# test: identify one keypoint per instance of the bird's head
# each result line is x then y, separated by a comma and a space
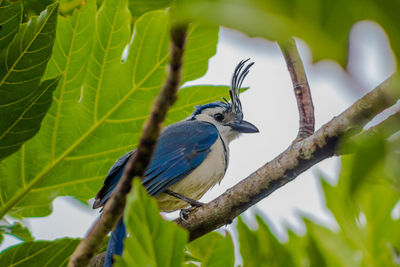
228, 116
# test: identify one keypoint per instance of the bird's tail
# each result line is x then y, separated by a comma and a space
115, 244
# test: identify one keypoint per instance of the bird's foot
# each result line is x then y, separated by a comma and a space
184, 213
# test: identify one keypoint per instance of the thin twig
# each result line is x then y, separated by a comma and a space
301, 89
135, 167
293, 161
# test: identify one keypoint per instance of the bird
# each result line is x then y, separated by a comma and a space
190, 157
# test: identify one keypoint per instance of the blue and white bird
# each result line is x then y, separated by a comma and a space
190, 157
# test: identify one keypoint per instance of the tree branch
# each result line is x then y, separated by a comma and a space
136, 165
301, 89
293, 161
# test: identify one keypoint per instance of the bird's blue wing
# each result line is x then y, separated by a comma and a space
112, 178
180, 149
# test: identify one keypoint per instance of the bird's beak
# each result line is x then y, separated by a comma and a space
244, 127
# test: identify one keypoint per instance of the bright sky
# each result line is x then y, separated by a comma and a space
271, 106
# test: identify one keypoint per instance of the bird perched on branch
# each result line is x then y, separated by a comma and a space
190, 157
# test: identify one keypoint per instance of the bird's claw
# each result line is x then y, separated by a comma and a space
184, 213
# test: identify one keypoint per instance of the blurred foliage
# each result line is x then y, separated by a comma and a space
90, 94
323, 24
139, 7
261, 247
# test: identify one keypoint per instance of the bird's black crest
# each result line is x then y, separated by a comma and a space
234, 106
239, 74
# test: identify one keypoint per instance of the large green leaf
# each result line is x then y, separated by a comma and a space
323, 24
10, 19
39, 253
152, 241
98, 110
213, 249
23, 102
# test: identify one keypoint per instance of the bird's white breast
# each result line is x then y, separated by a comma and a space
199, 181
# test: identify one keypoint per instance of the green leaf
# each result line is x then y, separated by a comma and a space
152, 241
323, 24
261, 247
17, 230
10, 19
139, 7
213, 249
100, 104
22, 65
39, 253
25, 121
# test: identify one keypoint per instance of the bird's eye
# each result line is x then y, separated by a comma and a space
218, 117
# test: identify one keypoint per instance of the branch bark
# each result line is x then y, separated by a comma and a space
293, 161
301, 89
135, 167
